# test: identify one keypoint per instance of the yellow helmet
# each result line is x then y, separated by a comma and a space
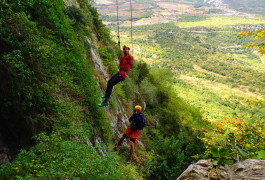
138, 107
125, 46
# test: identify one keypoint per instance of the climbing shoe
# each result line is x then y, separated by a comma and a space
104, 103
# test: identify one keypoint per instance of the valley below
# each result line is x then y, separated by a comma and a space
198, 41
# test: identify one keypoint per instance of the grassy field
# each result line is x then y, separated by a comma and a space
220, 21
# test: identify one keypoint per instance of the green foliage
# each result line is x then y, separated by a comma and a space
168, 165
56, 158
259, 35
173, 153
148, 91
19, 78
79, 16
261, 154
52, 53
188, 18
233, 139
108, 59
141, 73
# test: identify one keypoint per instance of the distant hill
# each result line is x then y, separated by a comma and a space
249, 6
146, 12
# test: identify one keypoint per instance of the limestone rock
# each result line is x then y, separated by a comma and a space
249, 169
4, 155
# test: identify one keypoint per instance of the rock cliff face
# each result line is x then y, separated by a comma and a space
249, 169
4, 152
15, 132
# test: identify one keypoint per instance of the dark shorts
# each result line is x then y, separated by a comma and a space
132, 134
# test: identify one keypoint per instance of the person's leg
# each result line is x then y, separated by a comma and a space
126, 134
134, 135
112, 82
120, 141
132, 148
108, 86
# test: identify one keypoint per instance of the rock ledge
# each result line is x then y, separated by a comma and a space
249, 169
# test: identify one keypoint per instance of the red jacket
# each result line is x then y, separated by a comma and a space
126, 63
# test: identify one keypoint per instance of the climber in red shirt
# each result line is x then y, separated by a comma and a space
126, 63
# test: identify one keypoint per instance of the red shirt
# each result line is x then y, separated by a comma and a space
126, 63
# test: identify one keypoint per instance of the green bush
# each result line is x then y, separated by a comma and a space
108, 60
55, 158
233, 139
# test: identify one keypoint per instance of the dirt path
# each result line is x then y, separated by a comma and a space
262, 58
198, 68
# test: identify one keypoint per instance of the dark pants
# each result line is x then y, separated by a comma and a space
112, 82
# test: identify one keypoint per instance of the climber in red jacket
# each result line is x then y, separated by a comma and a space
126, 63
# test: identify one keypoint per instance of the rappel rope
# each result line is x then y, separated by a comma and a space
131, 26
134, 101
118, 24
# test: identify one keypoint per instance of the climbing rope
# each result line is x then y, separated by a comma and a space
134, 101
118, 24
131, 26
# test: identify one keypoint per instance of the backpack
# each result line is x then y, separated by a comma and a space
137, 121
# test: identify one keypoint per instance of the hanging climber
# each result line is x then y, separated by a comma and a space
137, 123
126, 63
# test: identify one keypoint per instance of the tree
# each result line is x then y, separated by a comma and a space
259, 35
